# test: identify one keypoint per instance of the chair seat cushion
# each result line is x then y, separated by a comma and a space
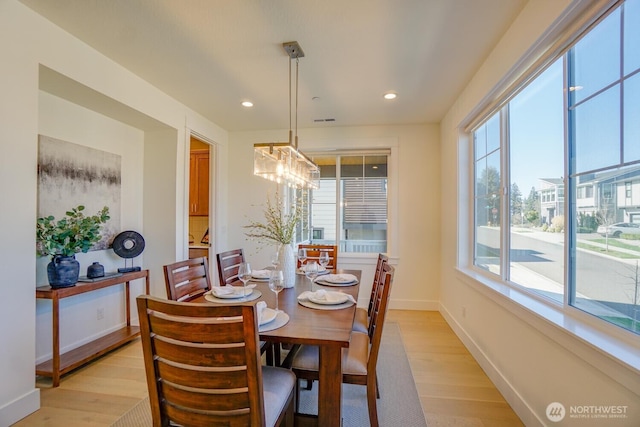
361, 321
277, 385
354, 358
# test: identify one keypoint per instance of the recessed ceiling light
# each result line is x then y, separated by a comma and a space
390, 95
247, 104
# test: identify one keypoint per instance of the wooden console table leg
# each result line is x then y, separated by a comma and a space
55, 313
126, 303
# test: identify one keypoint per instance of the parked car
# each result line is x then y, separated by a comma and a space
615, 230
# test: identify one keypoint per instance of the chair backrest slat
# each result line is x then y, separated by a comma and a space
378, 314
202, 362
377, 279
188, 279
313, 253
228, 264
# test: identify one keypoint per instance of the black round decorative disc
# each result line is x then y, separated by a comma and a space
128, 244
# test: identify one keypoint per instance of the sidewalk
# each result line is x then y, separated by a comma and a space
558, 238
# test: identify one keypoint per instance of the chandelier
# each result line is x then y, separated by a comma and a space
282, 162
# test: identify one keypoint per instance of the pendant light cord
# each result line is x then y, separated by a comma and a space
290, 141
297, 62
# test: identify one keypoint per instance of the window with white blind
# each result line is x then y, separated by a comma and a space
350, 207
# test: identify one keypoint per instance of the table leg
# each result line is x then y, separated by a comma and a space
330, 386
55, 362
126, 303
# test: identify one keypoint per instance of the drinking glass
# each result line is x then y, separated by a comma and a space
276, 283
311, 271
302, 256
324, 259
244, 274
275, 259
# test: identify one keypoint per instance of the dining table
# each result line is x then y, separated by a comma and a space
329, 328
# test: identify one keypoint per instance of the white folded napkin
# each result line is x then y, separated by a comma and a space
340, 278
321, 269
228, 290
260, 274
323, 295
260, 306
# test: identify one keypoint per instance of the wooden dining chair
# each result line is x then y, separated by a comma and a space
188, 279
228, 264
361, 321
203, 366
360, 359
313, 253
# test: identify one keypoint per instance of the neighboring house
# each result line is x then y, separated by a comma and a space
551, 197
612, 195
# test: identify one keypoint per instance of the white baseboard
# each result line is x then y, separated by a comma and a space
511, 395
19, 408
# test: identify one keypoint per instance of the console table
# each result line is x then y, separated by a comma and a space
60, 364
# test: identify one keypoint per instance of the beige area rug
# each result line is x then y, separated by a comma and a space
399, 404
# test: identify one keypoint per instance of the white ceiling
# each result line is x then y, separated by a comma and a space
213, 54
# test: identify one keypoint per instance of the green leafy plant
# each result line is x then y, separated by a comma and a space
278, 227
72, 234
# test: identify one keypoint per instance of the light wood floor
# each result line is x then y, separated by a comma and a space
453, 389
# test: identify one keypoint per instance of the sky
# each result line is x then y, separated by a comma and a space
537, 131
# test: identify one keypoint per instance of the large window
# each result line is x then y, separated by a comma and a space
547, 166
350, 207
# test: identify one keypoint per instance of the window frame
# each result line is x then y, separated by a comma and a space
557, 320
339, 154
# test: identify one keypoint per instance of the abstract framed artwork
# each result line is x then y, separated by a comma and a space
71, 174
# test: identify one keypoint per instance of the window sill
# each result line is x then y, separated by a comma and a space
616, 356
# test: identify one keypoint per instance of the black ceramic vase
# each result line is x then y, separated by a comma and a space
63, 271
95, 270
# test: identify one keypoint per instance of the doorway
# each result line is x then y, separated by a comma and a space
199, 198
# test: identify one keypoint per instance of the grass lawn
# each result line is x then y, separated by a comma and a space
622, 255
617, 243
625, 322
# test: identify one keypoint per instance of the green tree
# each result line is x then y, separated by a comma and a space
516, 204
488, 192
532, 207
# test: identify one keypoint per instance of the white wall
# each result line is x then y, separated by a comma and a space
414, 219
69, 122
531, 360
145, 126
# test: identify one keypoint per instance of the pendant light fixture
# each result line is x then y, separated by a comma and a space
282, 162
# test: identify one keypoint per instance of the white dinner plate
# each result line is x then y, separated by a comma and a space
337, 298
340, 279
267, 316
281, 319
250, 297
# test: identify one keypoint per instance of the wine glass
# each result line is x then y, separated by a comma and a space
302, 256
275, 259
244, 274
324, 259
311, 271
276, 283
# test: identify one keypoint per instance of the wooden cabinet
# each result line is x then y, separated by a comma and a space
199, 183
60, 364
198, 252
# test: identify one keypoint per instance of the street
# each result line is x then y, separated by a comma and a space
598, 276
